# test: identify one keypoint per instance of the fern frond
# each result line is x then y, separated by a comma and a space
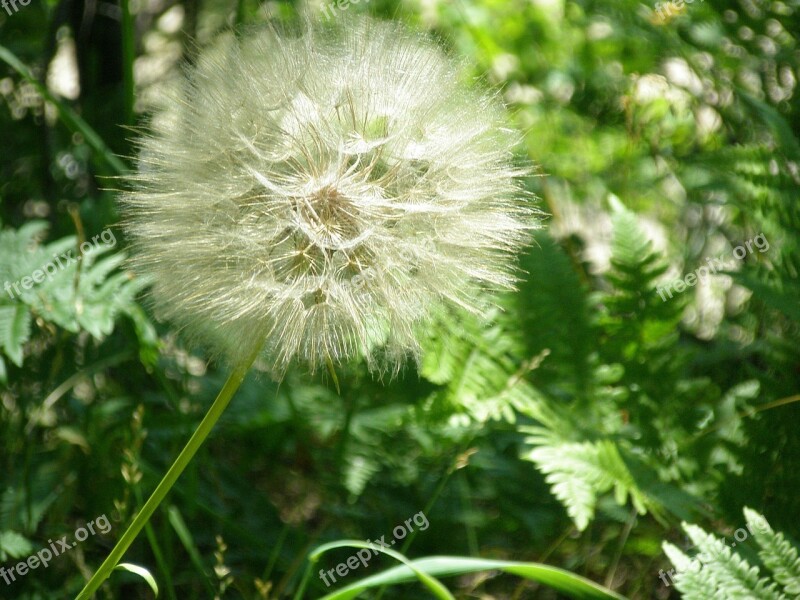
716, 571
15, 330
693, 583
87, 294
778, 554
552, 307
735, 577
579, 473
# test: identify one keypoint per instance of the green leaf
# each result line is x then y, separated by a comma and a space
442, 566
141, 572
23, 506
186, 538
779, 555
717, 571
553, 308
14, 545
436, 587
579, 472
15, 330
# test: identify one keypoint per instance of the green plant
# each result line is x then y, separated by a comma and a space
715, 570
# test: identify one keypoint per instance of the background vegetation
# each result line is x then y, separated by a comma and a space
577, 426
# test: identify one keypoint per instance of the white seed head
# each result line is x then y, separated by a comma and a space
319, 195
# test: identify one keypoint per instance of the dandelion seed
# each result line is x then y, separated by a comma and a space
319, 195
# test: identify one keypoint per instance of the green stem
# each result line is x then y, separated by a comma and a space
186, 455
304, 582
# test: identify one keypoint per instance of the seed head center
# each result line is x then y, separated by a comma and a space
329, 218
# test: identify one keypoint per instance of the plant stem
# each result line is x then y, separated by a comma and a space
186, 455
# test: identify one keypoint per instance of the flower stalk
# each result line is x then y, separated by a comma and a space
184, 458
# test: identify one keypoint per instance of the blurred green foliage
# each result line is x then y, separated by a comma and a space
576, 425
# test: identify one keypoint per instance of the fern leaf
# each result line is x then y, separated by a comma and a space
579, 473
779, 556
718, 572
14, 545
690, 579
15, 330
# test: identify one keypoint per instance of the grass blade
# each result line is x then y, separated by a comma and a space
179, 525
568, 583
141, 572
434, 585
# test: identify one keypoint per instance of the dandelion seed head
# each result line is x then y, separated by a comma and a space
321, 195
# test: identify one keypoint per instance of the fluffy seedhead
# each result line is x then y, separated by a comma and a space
319, 195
